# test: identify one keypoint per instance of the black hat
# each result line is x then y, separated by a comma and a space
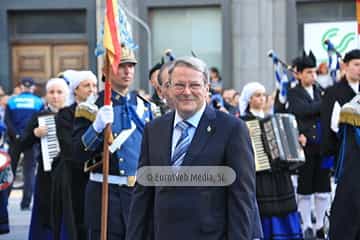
157, 66
295, 61
27, 82
353, 54
306, 61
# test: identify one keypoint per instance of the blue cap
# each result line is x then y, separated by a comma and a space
27, 82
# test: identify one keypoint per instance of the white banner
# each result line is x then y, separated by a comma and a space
343, 35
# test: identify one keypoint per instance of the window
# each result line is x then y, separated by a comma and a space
47, 22
187, 29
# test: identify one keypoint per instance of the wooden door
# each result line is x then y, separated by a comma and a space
31, 61
42, 62
70, 57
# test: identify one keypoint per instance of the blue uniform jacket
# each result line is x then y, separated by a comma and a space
88, 143
19, 111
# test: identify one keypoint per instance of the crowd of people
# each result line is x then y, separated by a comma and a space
189, 120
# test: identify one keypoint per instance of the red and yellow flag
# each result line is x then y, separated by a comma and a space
111, 39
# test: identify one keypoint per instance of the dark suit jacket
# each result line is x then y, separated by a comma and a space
196, 213
307, 113
343, 93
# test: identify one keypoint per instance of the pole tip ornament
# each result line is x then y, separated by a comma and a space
270, 53
169, 54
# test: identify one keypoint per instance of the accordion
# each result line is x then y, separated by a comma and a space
275, 142
50, 147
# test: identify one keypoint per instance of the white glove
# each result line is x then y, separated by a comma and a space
104, 116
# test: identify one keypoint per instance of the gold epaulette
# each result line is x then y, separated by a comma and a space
350, 118
87, 111
350, 112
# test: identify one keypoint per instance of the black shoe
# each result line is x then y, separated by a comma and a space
309, 234
320, 234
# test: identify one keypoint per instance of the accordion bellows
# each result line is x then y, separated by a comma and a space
275, 142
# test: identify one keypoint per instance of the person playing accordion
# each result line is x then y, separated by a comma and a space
57, 92
274, 190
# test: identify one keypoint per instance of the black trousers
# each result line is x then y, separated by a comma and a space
118, 211
79, 180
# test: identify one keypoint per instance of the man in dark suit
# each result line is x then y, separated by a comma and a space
210, 138
304, 102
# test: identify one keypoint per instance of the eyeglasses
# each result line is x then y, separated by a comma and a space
193, 86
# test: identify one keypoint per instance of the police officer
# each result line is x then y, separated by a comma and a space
19, 110
304, 102
128, 114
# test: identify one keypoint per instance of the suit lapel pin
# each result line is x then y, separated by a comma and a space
208, 129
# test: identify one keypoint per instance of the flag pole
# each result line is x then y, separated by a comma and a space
111, 42
105, 170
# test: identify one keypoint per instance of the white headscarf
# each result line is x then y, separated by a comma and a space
75, 78
60, 82
246, 93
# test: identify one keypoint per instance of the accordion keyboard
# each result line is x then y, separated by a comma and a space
49, 143
262, 161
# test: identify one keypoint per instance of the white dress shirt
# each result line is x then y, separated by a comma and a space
310, 91
354, 86
193, 120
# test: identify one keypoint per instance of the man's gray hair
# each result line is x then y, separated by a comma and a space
192, 62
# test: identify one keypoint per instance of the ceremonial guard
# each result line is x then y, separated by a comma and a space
335, 97
128, 115
304, 102
57, 92
342, 142
274, 190
345, 211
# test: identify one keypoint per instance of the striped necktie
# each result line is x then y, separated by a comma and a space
182, 144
